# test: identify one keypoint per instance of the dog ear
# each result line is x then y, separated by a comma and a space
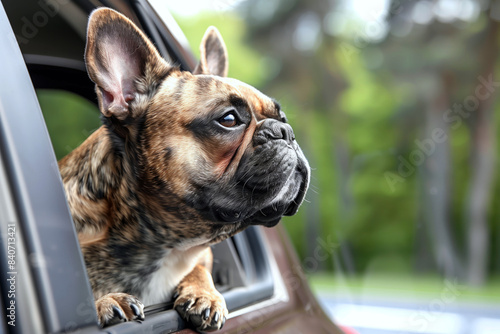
119, 57
213, 54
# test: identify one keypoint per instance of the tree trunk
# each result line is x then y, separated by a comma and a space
342, 158
479, 197
483, 161
313, 219
436, 170
424, 261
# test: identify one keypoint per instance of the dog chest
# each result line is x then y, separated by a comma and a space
171, 270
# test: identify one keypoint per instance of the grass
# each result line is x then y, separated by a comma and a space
405, 286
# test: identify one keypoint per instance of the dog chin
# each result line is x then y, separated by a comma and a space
286, 203
287, 206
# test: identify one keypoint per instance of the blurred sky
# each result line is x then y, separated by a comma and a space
346, 16
363, 8
444, 10
193, 7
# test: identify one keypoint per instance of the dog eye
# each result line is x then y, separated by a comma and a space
228, 120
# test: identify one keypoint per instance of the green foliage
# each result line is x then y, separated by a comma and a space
70, 119
244, 62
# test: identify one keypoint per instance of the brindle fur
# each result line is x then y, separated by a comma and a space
134, 185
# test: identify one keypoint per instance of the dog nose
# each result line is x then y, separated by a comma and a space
274, 130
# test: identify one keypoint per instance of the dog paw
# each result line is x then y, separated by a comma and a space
205, 310
114, 308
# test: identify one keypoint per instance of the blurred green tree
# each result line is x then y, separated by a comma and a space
401, 176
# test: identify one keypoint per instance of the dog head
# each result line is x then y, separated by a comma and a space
203, 147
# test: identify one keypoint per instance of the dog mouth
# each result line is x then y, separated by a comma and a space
293, 207
270, 182
267, 204
272, 214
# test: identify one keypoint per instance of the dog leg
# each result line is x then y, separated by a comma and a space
198, 302
117, 307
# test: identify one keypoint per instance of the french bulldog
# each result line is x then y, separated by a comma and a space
182, 161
